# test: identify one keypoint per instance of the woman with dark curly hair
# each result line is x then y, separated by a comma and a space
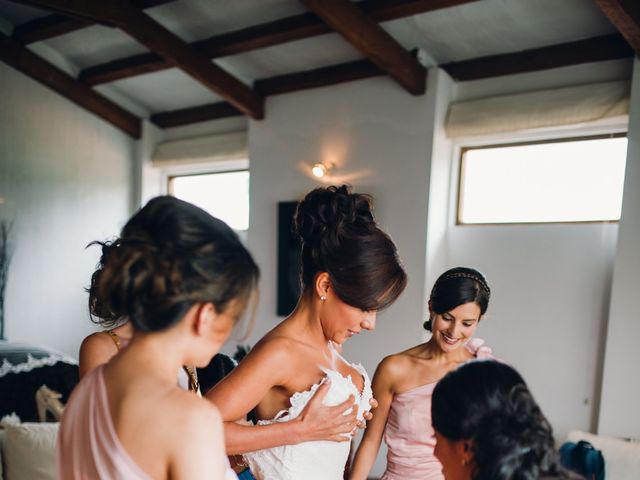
182, 278
489, 427
350, 270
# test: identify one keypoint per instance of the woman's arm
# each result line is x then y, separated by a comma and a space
199, 449
370, 444
270, 364
95, 350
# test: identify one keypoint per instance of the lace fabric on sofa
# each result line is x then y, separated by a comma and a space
24, 369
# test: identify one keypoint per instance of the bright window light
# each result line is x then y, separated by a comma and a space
225, 195
566, 181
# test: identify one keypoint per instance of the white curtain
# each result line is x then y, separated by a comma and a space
544, 108
221, 147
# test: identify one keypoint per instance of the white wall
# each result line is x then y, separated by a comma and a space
66, 177
621, 381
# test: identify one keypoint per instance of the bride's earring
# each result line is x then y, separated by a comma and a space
323, 297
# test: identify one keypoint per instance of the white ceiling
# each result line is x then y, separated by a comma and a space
485, 27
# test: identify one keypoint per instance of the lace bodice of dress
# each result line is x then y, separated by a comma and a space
321, 460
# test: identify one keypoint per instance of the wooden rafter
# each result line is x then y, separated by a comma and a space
47, 27
158, 39
22, 59
202, 113
55, 25
285, 30
625, 15
319, 77
372, 41
293, 82
597, 49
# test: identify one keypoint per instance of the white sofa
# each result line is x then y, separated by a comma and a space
28, 451
621, 458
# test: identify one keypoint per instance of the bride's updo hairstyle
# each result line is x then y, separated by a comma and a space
488, 404
170, 255
339, 236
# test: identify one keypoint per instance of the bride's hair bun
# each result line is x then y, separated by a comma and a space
332, 210
340, 236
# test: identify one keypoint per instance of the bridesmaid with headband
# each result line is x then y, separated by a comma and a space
403, 383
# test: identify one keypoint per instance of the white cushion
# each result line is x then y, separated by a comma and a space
29, 451
621, 458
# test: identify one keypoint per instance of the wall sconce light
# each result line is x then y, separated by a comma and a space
321, 169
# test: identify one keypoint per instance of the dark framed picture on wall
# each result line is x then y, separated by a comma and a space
288, 260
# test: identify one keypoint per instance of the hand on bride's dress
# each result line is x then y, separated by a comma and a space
367, 415
321, 422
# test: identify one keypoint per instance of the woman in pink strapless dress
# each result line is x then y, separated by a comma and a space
403, 383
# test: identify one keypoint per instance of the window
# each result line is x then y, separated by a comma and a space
224, 195
578, 180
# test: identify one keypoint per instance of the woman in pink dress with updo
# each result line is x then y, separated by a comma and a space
182, 278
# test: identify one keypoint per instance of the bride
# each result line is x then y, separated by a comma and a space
350, 270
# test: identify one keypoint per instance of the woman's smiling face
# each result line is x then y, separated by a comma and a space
453, 328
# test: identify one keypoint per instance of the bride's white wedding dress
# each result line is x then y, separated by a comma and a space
321, 460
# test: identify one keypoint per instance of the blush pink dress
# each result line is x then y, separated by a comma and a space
409, 434
88, 446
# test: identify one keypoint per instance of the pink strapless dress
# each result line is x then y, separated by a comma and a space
88, 446
409, 434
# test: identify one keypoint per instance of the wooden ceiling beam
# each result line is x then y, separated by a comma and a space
319, 77
202, 113
292, 82
281, 31
597, 49
22, 59
372, 41
625, 16
55, 25
383, 10
161, 41
238, 41
47, 27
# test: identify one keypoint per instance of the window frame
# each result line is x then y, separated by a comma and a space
537, 138
169, 172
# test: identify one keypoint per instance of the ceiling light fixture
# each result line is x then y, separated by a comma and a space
321, 169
